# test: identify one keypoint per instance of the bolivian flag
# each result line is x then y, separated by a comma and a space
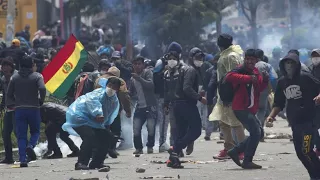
61, 72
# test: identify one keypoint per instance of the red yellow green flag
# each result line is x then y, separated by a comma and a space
61, 72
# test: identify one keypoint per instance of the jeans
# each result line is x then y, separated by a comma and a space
188, 123
9, 125
93, 138
24, 118
303, 144
51, 132
253, 125
163, 122
263, 107
141, 116
173, 126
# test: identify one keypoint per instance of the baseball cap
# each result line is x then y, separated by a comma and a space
116, 54
16, 42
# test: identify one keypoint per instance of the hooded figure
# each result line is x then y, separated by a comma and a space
300, 91
230, 58
185, 109
315, 66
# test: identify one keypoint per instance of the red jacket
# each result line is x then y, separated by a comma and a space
242, 84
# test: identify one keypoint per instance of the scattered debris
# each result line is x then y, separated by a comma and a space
85, 179
104, 169
157, 177
220, 142
285, 153
140, 170
178, 176
278, 136
192, 162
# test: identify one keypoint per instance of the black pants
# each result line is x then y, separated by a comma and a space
52, 129
303, 139
188, 124
8, 127
93, 138
253, 125
115, 128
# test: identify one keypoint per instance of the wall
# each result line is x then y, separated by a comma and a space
26, 13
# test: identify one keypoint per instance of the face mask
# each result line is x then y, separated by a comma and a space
315, 61
110, 92
198, 63
103, 72
289, 67
172, 63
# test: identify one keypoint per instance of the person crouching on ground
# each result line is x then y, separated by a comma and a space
54, 116
300, 91
88, 117
125, 104
247, 85
24, 89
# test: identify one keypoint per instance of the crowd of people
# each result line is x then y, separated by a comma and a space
227, 92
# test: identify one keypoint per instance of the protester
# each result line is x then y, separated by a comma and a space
23, 93
300, 91
142, 89
54, 116
188, 120
13, 51
90, 117
246, 81
9, 123
26, 33
230, 58
125, 104
165, 86
315, 71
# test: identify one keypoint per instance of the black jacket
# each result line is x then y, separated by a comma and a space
211, 78
170, 81
54, 113
187, 87
15, 52
298, 92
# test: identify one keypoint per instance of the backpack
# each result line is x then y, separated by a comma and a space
226, 91
79, 85
95, 35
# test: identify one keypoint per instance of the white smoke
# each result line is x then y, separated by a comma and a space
270, 41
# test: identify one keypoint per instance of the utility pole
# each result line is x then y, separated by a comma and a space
129, 45
62, 18
11, 16
53, 11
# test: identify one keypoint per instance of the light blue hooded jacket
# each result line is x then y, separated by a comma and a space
87, 107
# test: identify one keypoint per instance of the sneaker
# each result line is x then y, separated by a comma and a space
250, 165
189, 149
174, 161
207, 138
234, 156
222, 155
164, 148
6, 161
138, 151
241, 156
47, 154
55, 156
79, 166
98, 167
31, 154
23, 164
150, 150
73, 154
113, 153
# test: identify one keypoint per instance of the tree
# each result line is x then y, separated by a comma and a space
251, 6
164, 21
217, 6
